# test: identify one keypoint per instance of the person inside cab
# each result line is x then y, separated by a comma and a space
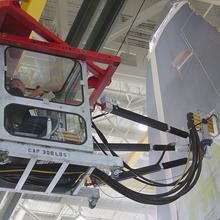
18, 117
17, 88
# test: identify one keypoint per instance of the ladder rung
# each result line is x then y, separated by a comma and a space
25, 174
57, 177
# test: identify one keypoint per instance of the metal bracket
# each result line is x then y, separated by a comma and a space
3, 67
82, 83
3, 157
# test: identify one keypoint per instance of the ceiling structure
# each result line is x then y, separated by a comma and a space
128, 38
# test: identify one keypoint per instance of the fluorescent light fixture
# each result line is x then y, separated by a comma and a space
80, 218
143, 127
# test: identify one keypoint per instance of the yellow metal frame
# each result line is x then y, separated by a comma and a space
34, 8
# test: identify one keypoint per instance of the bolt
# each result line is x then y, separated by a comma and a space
92, 203
3, 156
115, 173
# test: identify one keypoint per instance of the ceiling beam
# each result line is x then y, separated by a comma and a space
122, 92
104, 24
125, 205
29, 213
133, 71
9, 205
213, 2
3, 196
131, 78
142, 17
114, 46
62, 212
83, 20
128, 73
128, 206
134, 133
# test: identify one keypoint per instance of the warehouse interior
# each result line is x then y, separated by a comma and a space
120, 28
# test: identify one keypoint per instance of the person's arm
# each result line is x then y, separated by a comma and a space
37, 92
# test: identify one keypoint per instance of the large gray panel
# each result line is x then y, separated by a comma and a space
205, 41
194, 87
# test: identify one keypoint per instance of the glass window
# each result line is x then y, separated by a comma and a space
71, 92
58, 77
25, 121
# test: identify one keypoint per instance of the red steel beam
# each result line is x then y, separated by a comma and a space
16, 26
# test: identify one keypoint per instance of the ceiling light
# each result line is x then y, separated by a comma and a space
80, 218
143, 127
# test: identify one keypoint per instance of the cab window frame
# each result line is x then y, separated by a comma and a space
76, 62
44, 139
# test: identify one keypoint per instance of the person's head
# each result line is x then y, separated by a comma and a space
17, 83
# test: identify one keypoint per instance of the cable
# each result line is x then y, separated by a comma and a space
143, 198
118, 197
102, 137
77, 180
99, 146
162, 155
183, 170
202, 121
130, 27
98, 116
105, 142
113, 197
43, 174
190, 177
165, 179
138, 177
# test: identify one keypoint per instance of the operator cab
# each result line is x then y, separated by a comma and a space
56, 125
61, 79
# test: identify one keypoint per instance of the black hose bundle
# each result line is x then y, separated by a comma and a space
42, 174
182, 187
